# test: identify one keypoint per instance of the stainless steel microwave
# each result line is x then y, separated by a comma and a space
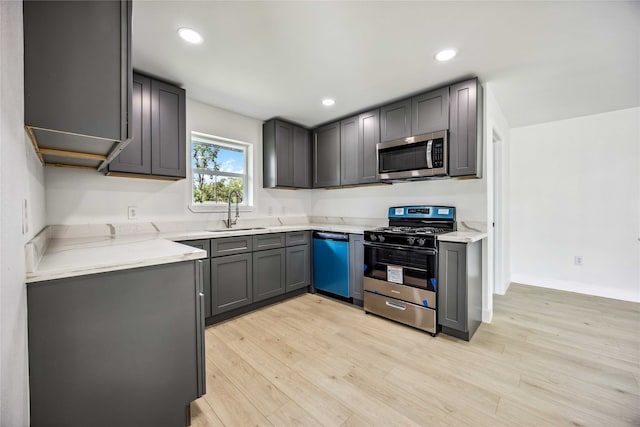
416, 157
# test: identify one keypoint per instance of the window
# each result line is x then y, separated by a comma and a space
219, 166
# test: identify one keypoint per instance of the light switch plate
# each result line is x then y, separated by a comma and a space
132, 212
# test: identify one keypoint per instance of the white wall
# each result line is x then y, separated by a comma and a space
85, 197
21, 178
468, 196
575, 190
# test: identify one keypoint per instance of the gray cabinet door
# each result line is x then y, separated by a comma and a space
231, 282
368, 137
231, 245
284, 153
452, 285
136, 157
356, 266
294, 238
349, 172
298, 264
77, 67
395, 120
268, 274
268, 241
463, 129
301, 158
168, 130
430, 112
326, 159
206, 267
113, 336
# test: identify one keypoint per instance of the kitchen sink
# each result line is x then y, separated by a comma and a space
225, 230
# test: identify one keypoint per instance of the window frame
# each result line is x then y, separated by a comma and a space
247, 176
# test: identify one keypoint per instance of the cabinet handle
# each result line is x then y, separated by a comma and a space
396, 306
201, 294
394, 291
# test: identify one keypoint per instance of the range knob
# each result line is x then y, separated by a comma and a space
421, 242
373, 237
381, 238
411, 240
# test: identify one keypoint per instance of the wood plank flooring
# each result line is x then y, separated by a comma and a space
548, 358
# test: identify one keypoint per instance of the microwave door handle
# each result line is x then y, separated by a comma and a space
429, 156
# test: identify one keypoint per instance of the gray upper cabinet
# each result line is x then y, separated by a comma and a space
136, 157
168, 130
77, 78
395, 120
465, 131
158, 147
368, 137
286, 155
326, 159
349, 174
430, 112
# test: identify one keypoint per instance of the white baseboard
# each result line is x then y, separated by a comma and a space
487, 316
579, 287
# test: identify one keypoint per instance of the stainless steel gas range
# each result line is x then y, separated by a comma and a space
401, 265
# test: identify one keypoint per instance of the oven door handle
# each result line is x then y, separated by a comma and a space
401, 248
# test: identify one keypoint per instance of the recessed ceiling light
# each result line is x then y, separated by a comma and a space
328, 102
190, 35
445, 55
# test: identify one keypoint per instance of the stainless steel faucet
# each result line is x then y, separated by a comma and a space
228, 222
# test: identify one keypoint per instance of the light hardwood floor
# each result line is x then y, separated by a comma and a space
548, 358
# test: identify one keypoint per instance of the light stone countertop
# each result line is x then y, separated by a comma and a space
462, 236
56, 258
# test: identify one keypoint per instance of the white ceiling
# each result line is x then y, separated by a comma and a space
546, 61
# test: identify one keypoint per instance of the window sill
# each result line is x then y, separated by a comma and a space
218, 209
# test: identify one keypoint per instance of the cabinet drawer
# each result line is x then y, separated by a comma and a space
295, 238
200, 244
231, 245
404, 312
268, 241
406, 293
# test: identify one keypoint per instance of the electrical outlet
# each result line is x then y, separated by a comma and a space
132, 212
577, 260
270, 210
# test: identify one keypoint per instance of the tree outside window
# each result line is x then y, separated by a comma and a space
218, 166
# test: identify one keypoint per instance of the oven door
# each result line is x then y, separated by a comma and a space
403, 265
415, 157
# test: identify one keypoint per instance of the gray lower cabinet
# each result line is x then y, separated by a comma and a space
231, 282
298, 267
268, 274
460, 288
465, 129
356, 267
286, 155
326, 156
206, 267
117, 348
395, 120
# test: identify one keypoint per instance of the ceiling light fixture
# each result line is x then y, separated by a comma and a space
328, 102
190, 35
445, 55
